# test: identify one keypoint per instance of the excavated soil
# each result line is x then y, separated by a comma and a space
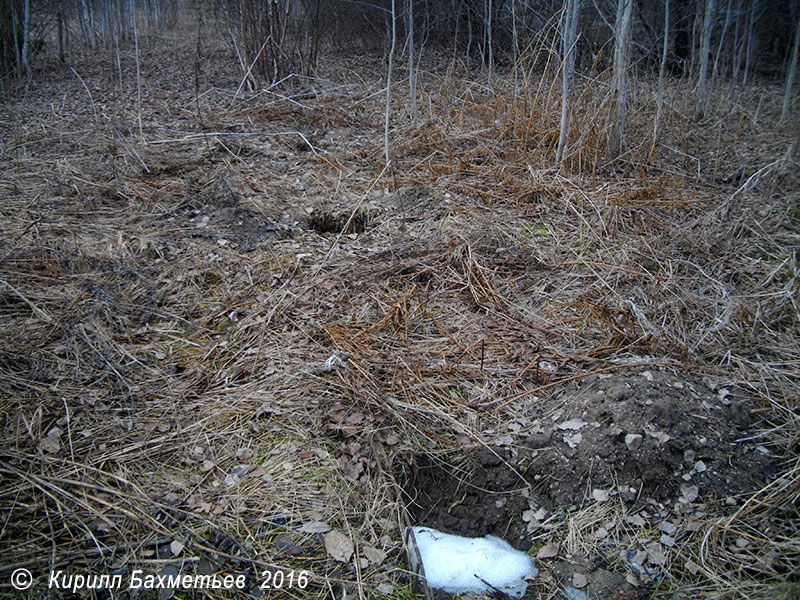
657, 444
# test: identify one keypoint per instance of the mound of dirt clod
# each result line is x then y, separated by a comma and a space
654, 442
652, 432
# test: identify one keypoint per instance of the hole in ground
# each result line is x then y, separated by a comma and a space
325, 221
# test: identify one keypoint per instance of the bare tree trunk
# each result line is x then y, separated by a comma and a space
469, 37
131, 18
787, 95
705, 45
569, 27
138, 76
751, 34
489, 40
721, 44
412, 72
483, 39
738, 45
16, 63
389, 84
60, 20
661, 72
622, 34
457, 16
515, 43
26, 42
87, 23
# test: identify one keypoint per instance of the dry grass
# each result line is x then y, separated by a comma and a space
148, 353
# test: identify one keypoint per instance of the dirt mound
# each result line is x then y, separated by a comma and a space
651, 433
653, 444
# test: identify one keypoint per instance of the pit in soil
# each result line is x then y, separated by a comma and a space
644, 448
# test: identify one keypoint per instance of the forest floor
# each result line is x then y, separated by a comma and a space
234, 342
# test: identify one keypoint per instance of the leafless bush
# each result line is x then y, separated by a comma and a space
275, 38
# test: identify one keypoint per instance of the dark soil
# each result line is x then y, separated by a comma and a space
693, 448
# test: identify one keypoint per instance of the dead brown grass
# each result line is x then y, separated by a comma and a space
148, 354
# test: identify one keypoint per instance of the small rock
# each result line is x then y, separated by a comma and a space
667, 527
730, 501
661, 436
527, 515
600, 495
628, 494
689, 456
572, 424
633, 441
636, 520
655, 554
667, 541
700, 466
689, 493
693, 526
579, 580
244, 454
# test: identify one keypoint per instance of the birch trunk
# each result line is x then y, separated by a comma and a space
389, 84
457, 16
790, 75
87, 23
751, 34
569, 27
661, 73
412, 73
469, 37
721, 43
515, 43
705, 45
489, 40
622, 34
26, 35
738, 45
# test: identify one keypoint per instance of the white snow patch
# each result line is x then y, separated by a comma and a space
459, 565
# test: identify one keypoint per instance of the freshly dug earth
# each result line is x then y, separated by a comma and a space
656, 444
